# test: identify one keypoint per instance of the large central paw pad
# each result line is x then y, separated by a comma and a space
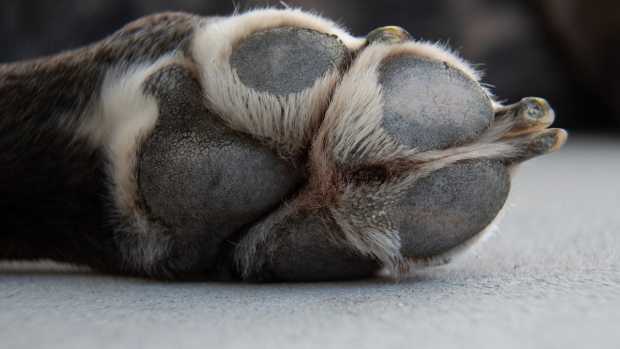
312, 155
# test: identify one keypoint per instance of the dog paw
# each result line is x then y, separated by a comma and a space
289, 150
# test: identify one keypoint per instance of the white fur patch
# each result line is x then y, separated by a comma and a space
122, 118
287, 121
238, 26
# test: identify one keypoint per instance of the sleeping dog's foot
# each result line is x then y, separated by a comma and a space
273, 145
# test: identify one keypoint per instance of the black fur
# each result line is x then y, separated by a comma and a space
54, 199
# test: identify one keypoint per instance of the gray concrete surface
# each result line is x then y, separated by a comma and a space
549, 279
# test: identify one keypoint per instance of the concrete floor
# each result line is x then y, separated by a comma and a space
549, 279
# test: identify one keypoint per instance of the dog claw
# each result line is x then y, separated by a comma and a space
390, 34
529, 114
539, 143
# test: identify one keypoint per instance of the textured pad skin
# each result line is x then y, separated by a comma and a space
286, 60
201, 178
450, 206
431, 105
303, 251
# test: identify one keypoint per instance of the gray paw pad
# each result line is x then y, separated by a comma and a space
431, 105
304, 252
202, 179
450, 206
211, 183
286, 60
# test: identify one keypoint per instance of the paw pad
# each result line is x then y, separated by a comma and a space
430, 105
286, 60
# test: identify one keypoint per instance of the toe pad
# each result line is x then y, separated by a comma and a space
452, 205
286, 60
431, 105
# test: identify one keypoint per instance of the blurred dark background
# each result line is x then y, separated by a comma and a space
564, 50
